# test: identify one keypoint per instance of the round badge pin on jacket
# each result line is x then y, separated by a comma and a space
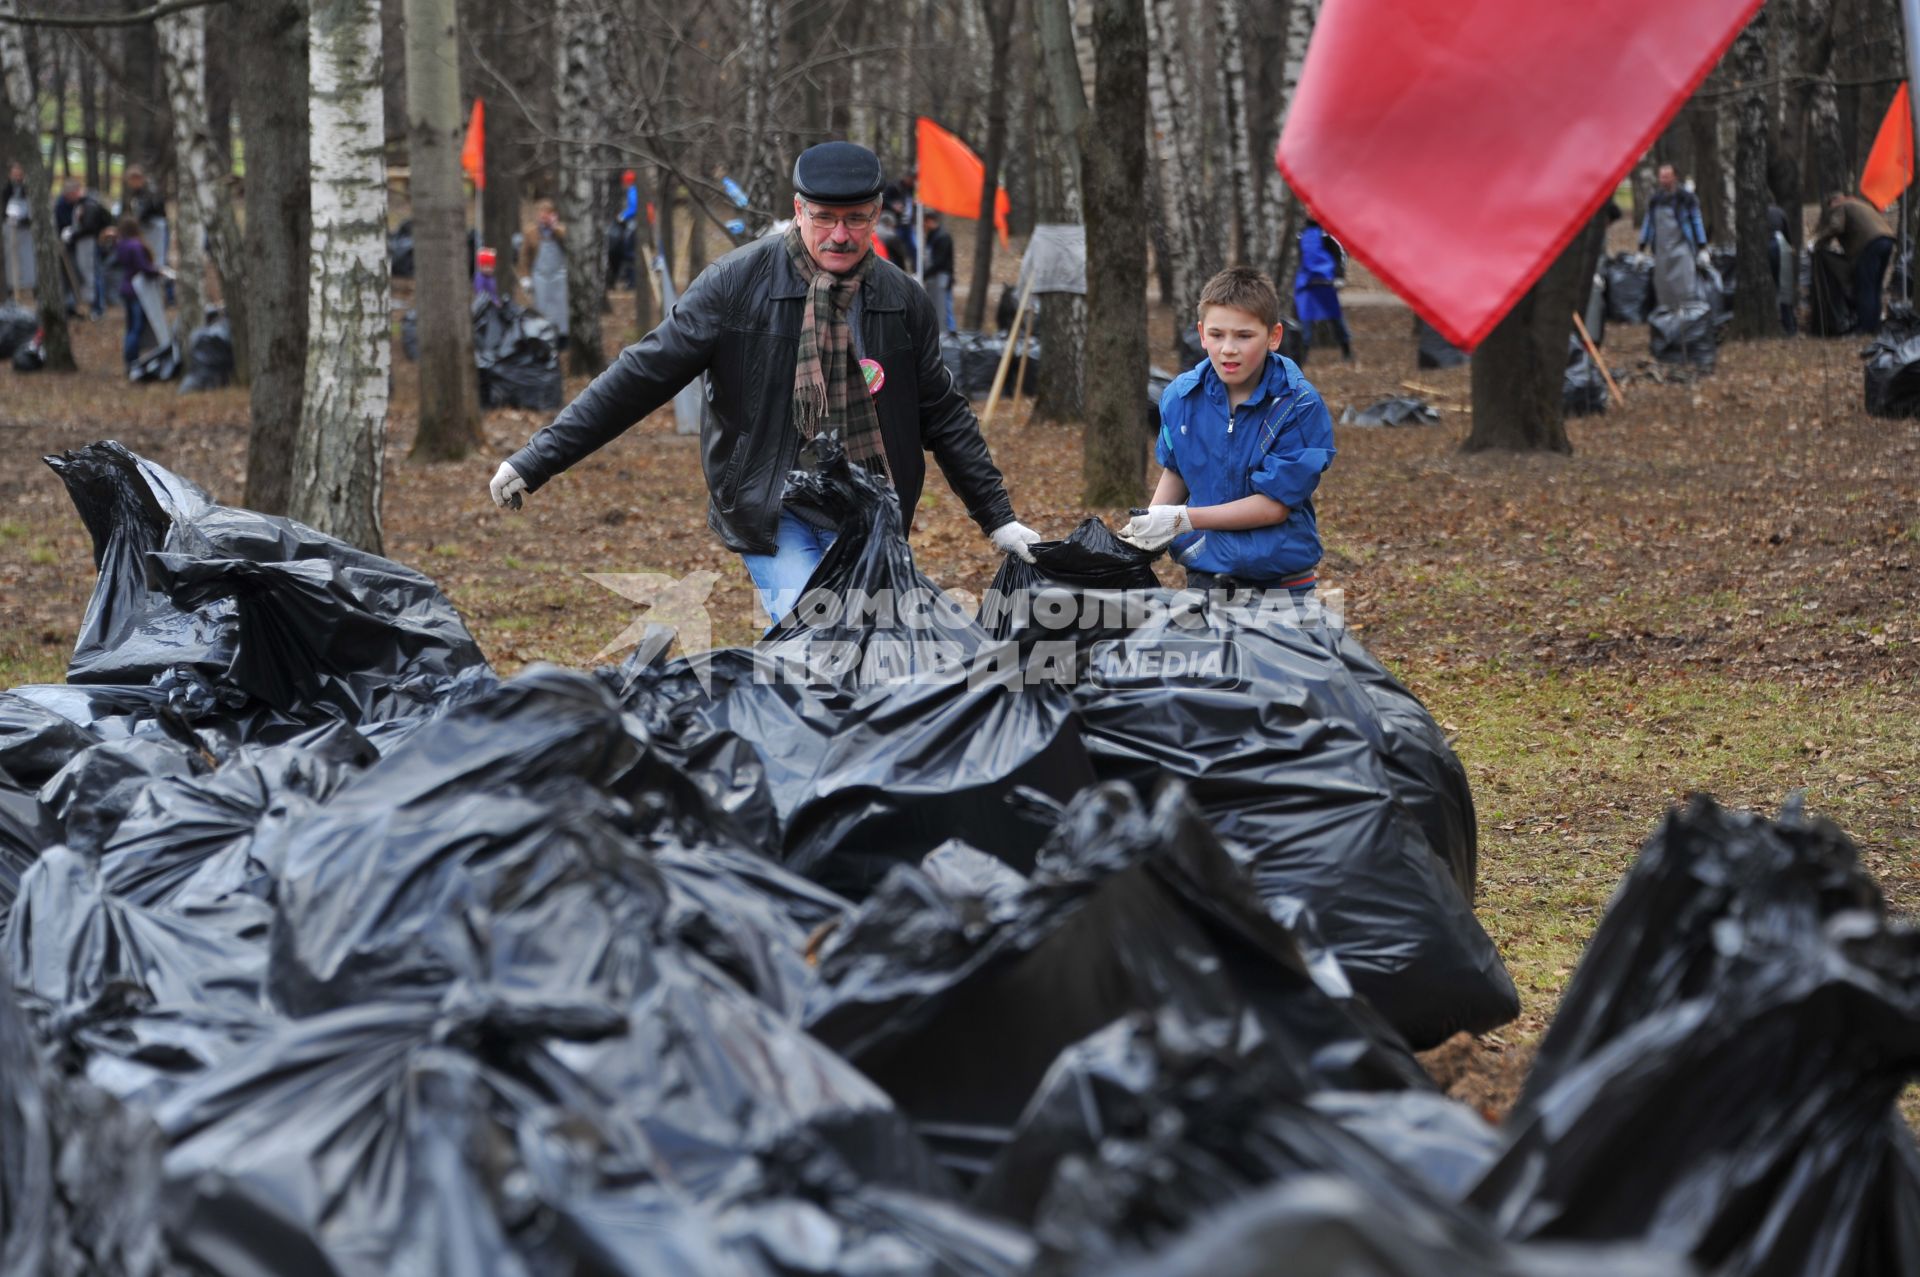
876, 375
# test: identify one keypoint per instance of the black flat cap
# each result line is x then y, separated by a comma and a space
837, 173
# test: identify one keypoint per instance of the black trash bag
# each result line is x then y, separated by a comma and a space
1829, 295
1289, 758
25, 832
162, 363
1330, 1226
1400, 410
1684, 336
93, 792
1432, 350
1892, 376
79, 1173
974, 360
18, 326
1125, 912
1445, 1144
1735, 1041
1583, 390
209, 356
400, 251
1630, 293
518, 353
1070, 591
35, 742
32, 356
1716, 290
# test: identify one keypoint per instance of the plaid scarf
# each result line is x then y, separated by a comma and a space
829, 390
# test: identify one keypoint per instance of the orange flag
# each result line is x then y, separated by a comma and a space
1890, 165
950, 177
473, 156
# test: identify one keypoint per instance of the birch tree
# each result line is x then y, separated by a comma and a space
1283, 209
203, 212
998, 18
449, 426
760, 175
1060, 394
1115, 454
271, 89
49, 264
339, 456
1249, 204
1193, 243
580, 92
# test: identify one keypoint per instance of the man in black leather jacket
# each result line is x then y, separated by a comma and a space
740, 323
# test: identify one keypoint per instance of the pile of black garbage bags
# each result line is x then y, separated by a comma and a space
329, 952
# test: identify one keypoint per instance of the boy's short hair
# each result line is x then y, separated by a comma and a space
1243, 288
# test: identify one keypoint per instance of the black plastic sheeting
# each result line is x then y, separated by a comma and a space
1892, 375
1738, 1032
974, 358
327, 952
1687, 335
518, 354
1583, 390
31, 356
1630, 295
209, 356
1829, 295
1074, 590
17, 327
1399, 410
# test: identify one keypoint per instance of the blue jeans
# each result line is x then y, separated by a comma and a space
781, 577
136, 328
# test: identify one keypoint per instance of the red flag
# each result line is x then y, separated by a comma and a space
1890, 165
1456, 148
951, 176
473, 156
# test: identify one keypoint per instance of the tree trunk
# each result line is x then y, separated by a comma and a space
1192, 237
90, 122
760, 173
1283, 209
1519, 368
1115, 451
505, 79
220, 93
999, 19
148, 132
1726, 132
1249, 207
57, 50
449, 426
203, 206
1756, 309
339, 457
1060, 386
49, 262
580, 95
271, 87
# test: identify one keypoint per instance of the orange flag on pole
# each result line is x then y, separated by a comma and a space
1890, 165
951, 176
473, 156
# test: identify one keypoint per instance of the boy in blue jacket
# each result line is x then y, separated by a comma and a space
1243, 439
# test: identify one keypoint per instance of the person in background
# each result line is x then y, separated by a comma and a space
1674, 233
544, 262
620, 235
141, 201
1244, 438
939, 273
484, 284
802, 335
136, 263
898, 198
1316, 289
16, 232
1780, 258
1867, 239
80, 218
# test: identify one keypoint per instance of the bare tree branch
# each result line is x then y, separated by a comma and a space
140, 18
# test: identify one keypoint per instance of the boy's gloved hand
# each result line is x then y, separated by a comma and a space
1014, 538
1157, 528
507, 487
1703, 259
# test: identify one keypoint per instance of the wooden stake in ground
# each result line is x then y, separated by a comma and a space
1593, 353
1006, 356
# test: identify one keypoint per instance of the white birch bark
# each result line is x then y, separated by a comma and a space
203, 208
17, 78
339, 456
1282, 208
1192, 236
763, 63
1726, 144
1249, 209
581, 93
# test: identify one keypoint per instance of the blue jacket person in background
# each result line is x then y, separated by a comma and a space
1244, 438
1316, 296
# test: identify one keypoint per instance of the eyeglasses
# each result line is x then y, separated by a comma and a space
855, 222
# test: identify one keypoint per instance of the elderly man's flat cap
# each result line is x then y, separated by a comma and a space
836, 173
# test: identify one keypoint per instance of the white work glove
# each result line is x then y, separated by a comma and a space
1014, 538
1704, 259
507, 487
1157, 528
66, 235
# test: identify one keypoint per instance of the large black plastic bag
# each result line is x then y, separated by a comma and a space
35, 742
1124, 913
1583, 391
1893, 377
25, 831
209, 356
1630, 295
1286, 755
518, 354
1720, 1080
1684, 336
1071, 591
974, 360
17, 327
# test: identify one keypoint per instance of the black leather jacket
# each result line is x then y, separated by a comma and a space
739, 323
